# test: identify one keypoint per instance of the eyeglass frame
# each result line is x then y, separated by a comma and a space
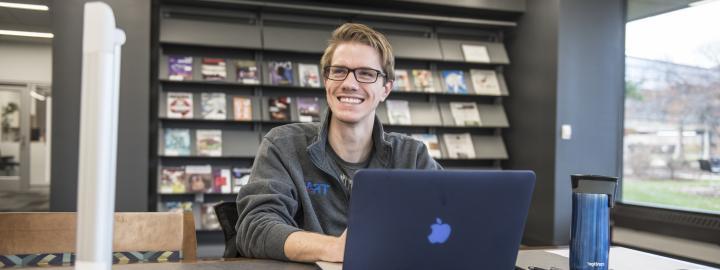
326, 73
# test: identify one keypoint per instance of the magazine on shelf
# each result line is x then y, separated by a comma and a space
213, 106
402, 80
423, 80
465, 113
398, 112
485, 82
475, 53
209, 142
242, 108
308, 109
221, 180
247, 72
200, 178
179, 105
309, 75
177, 142
176, 206
455, 81
173, 180
459, 146
209, 220
180, 68
279, 108
213, 69
281, 73
431, 142
240, 178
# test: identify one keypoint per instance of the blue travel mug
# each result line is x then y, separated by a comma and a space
593, 196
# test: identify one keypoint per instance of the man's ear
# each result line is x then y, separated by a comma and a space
387, 88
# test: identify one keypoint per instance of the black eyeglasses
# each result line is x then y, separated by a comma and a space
363, 75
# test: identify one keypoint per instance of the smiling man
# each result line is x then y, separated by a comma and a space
295, 205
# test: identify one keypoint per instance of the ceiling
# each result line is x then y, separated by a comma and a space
39, 21
638, 9
25, 20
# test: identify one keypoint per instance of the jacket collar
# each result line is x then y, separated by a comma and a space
318, 149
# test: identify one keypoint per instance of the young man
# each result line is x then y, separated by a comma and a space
295, 205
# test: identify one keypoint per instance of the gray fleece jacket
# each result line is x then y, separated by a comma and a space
294, 185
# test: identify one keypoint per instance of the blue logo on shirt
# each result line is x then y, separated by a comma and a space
317, 189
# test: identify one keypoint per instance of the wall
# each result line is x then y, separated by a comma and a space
133, 16
567, 69
590, 96
25, 61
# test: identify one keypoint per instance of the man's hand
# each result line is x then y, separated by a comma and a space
336, 250
311, 247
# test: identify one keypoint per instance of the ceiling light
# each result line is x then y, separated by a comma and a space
24, 6
26, 34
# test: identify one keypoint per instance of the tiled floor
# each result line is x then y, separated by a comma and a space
25, 201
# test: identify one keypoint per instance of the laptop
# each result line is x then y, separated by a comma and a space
418, 219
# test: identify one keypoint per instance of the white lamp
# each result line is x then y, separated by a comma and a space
98, 137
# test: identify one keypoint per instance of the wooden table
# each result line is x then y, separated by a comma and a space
215, 264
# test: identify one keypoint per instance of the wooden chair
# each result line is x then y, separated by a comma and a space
54, 233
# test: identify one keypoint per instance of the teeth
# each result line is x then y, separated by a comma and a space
350, 100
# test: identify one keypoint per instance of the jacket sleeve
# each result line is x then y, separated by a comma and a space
266, 207
425, 161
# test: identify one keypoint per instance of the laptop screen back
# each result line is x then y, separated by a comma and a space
411, 219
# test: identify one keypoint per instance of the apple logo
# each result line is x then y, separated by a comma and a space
439, 232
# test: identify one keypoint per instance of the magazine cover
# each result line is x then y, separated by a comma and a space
240, 177
176, 207
173, 180
309, 75
485, 82
242, 108
423, 80
209, 142
308, 109
213, 69
208, 218
279, 108
213, 106
200, 178
459, 146
455, 81
475, 53
398, 112
179, 105
402, 80
281, 73
247, 72
465, 113
221, 180
177, 142
180, 68
431, 142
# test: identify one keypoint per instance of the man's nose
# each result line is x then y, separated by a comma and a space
350, 82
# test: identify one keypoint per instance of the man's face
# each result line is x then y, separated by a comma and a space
351, 101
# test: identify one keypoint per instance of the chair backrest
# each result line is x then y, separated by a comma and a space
705, 165
54, 232
227, 215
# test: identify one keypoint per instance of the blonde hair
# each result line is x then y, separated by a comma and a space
355, 32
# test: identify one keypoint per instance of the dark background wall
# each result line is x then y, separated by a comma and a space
133, 16
567, 68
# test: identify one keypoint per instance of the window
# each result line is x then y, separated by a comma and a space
671, 145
